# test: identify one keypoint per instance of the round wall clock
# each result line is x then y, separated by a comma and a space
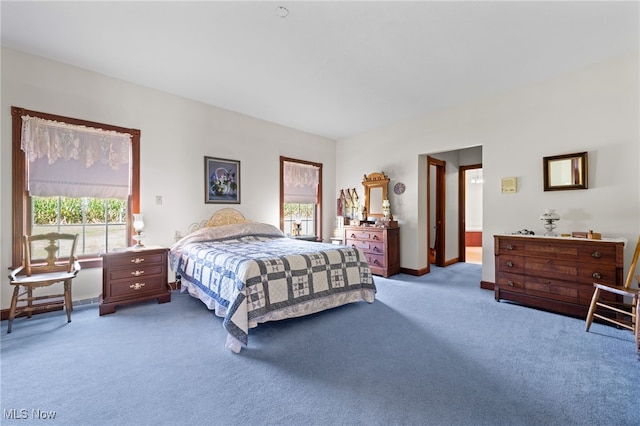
399, 188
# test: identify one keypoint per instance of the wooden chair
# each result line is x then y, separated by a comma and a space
626, 315
42, 272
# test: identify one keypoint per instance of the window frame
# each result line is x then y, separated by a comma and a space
21, 209
318, 217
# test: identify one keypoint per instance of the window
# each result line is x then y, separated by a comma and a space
300, 198
103, 222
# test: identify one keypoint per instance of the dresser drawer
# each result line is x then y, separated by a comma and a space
141, 258
375, 260
138, 271
511, 282
509, 246
510, 263
368, 234
552, 289
552, 268
135, 287
598, 253
551, 250
602, 273
367, 246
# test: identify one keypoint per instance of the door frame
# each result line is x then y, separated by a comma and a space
440, 205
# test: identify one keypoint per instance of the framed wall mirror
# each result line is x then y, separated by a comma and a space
563, 172
376, 186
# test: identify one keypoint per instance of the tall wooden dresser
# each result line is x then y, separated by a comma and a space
555, 273
134, 275
381, 247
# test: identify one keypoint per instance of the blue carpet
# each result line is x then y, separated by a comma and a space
432, 350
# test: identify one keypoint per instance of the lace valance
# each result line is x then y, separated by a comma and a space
55, 140
75, 161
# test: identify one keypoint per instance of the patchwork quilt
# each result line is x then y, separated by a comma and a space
254, 274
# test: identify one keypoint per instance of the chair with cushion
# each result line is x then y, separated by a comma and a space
41, 268
622, 314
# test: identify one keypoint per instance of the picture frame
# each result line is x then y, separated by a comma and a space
221, 181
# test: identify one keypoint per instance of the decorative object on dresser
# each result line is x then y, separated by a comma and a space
550, 217
555, 274
381, 246
376, 186
134, 275
138, 226
622, 314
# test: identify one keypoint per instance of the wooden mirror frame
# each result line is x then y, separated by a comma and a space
373, 181
576, 167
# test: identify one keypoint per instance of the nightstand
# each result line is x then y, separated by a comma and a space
134, 275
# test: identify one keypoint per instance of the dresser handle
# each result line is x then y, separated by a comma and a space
137, 273
137, 260
510, 264
509, 247
510, 283
596, 275
375, 237
375, 249
375, 261
137, 286
596, 254
353, 235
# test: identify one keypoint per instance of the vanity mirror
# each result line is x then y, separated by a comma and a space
567, 171
375, 186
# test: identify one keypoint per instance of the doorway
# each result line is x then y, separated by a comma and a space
470, 183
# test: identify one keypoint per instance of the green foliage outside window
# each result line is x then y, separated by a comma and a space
292, 210
71, 210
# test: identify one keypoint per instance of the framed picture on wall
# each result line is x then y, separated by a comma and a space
221, 181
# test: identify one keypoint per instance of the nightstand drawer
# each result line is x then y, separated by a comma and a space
138, 258
139, 271
133, 288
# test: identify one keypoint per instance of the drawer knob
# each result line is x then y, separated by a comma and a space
596, 255
137, 273
137, 260
375, 237
353, 235
510, 264
596, 275
510, 283
375, 261
375, 249
137, 286
510, 247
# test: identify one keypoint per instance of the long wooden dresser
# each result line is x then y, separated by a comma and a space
555, 273
381, 247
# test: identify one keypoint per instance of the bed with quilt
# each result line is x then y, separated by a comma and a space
249, 273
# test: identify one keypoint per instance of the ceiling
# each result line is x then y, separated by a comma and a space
334, 69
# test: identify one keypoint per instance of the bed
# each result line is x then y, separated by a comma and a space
250, 272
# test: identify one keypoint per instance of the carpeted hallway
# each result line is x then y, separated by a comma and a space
431, 350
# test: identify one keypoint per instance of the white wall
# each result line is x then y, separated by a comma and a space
594, 109
176, 135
